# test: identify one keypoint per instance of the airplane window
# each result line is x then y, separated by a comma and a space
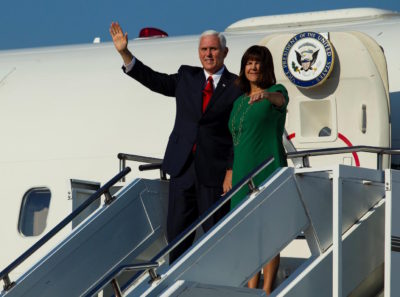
34, 211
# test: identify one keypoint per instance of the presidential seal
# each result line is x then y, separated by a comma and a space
308, 59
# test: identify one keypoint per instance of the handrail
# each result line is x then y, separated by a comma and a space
112, 276
138, 158
150, 166
340, 150
103, 190
216, 206
156, 162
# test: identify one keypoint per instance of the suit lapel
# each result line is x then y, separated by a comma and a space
198, 103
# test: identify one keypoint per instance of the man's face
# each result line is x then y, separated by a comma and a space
210, 53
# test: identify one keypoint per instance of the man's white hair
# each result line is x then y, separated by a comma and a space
222, 39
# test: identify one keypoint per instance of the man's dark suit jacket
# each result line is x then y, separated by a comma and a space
209, 131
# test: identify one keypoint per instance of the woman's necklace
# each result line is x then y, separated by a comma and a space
236, 137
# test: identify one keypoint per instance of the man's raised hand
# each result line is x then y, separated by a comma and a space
119, 38
121, 42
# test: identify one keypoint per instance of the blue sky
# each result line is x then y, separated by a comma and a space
27, 23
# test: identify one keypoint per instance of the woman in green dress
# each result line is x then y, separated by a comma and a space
257, 124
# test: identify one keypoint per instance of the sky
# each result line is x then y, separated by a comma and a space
30, 23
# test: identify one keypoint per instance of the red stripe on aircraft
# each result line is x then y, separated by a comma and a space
349, 144
290, 136
341, 137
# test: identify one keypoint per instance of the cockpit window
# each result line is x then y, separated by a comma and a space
34, 211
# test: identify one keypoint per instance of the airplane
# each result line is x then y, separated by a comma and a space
68, 111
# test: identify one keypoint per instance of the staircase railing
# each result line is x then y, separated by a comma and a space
104, 190
380, 151
151, 268
154, 163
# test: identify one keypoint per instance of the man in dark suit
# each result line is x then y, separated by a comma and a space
199, 152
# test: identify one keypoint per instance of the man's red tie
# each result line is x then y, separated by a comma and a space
207, 92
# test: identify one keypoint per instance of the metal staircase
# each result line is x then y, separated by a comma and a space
340, 209
127, 229
287, 203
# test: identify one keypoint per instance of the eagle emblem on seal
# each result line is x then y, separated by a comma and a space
306, 57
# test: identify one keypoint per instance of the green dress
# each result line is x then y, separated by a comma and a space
257, 131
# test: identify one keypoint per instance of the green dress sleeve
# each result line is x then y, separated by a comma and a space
281, 89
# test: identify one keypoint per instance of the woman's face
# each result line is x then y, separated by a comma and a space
252, 71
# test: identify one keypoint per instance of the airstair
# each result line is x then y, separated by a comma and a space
340, 210
286, 204
126, 229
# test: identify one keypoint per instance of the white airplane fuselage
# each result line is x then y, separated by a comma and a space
66, 112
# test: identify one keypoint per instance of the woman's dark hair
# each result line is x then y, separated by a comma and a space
267, 75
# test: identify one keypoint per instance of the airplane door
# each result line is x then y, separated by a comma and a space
340, 100
82, 190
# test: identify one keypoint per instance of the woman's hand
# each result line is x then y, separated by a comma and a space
227, 185
255, 97
276, 98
